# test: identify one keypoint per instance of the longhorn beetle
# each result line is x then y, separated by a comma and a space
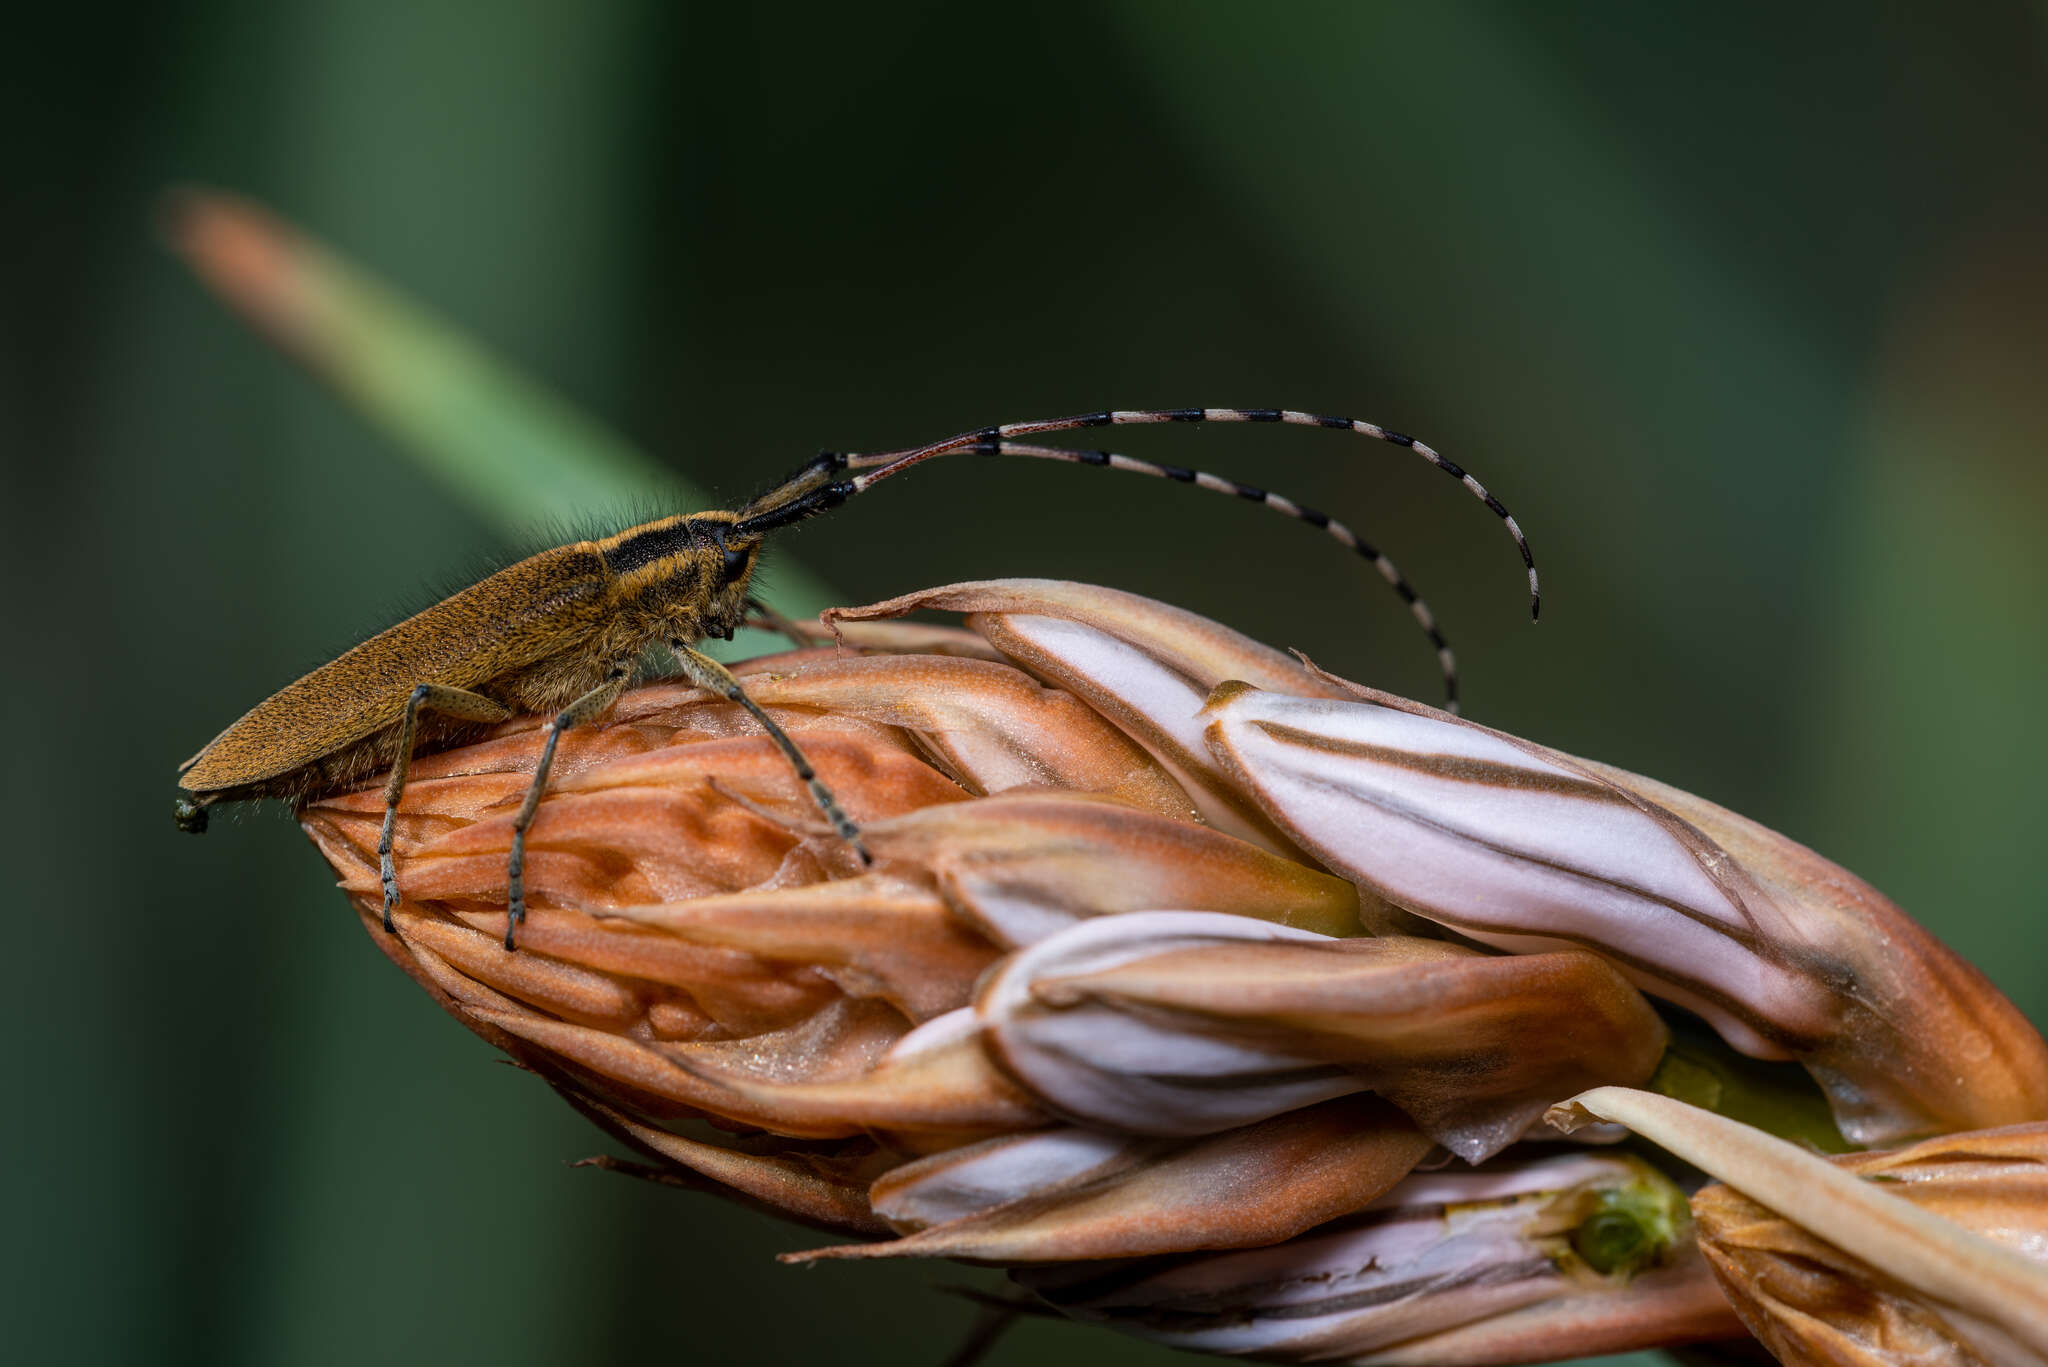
560, 632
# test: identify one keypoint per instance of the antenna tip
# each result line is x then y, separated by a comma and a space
1535, 607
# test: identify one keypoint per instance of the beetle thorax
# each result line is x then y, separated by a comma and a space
682, 597
677, 579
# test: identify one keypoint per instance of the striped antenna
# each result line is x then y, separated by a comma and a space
894, 462
1279, 503
811, 490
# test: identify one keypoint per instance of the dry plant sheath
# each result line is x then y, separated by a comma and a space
561, 632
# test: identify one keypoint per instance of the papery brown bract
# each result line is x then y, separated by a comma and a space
1145, 666
1914, 1271
693, 948
1812, 1302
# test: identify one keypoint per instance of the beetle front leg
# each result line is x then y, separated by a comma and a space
706, 672
587, 708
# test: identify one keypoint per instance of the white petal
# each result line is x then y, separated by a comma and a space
1102, 1066
1470, 830
960, 1182
1438, 1254
1157, 707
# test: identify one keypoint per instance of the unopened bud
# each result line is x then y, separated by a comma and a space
1181, 1023
1515, 1262
1526, 848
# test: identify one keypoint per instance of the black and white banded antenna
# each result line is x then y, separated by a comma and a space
812, 490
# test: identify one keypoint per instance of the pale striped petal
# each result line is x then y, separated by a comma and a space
1526, 848
1100, 1066
996, 1172
990, 726
1558, 1256
1179, 1023
1145, 666
1157, 707
1073, 1195
1473, 832
1204, 652
1024, 866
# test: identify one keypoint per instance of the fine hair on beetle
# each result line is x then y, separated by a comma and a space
562, 631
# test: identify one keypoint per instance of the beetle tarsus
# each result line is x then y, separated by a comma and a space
388, 874
515, 896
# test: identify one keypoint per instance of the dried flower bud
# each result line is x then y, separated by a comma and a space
1143, 665
1183, 1023
1022, 866
696, 948
1071, 1194
1102, 1007
1526, 848
1518, 1261
1812, 1302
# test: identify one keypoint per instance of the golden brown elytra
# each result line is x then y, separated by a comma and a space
561, 631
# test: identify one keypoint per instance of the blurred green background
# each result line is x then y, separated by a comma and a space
1744, 311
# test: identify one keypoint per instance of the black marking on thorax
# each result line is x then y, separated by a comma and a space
659, 542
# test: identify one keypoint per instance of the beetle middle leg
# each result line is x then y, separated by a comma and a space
706, 672
587, 708
453, 702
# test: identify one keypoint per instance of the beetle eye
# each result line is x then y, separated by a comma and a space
736, 562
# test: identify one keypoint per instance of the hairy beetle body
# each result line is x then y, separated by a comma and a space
535, 636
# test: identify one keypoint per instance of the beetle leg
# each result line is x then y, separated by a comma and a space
706, 672
764, 618
587, 708
454, 702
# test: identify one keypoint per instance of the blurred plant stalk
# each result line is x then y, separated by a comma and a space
1218, 999
516, 453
